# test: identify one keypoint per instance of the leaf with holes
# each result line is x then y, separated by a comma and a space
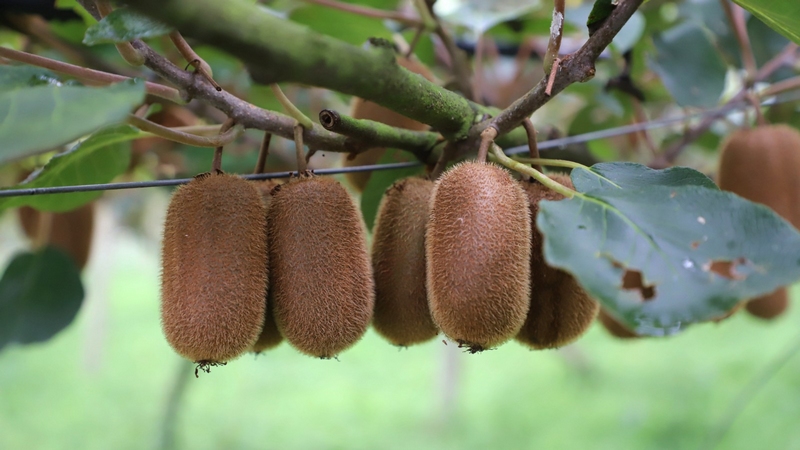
664, 249
37, 119
97, 159
40, 294
124, 25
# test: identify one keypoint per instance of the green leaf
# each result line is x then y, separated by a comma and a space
781, 16
40, 294
380, 181
16, 77
600, 12
481, 15
124, 25
40, 118
98, 159
689, 65
698, 250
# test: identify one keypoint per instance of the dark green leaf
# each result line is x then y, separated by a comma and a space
40, 118
782, 16
600, 12
97, 159
124, 25
689, 65
698, 250
380, 181
15, 77
40, 294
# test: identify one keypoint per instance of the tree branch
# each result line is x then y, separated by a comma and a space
278, 50
578, 67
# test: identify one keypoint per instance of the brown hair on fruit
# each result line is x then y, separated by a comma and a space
561, 311
762, 164
769, 306
614, 327
478, 255
363, 109
70, 231
214, 269
398, 263
320, 274
270, 337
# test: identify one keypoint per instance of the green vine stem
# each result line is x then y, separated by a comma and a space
90, 75
186, 138
551, 162
193, 58
501, 157
362, 131
290, 109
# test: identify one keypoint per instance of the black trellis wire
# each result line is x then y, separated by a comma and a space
553, 143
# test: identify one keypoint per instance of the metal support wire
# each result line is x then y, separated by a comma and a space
553, 143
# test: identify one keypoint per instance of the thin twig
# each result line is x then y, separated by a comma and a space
533, 149
263, 152
551, 79
736, 18
225, 136
193, 58
556, 32
369, 12
216, 163
90, 75
289, 107
458, 59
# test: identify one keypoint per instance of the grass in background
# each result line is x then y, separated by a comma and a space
601, 393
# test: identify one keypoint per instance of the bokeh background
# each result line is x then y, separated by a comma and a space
107, 380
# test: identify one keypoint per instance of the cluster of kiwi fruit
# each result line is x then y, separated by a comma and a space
246, 265
462, 256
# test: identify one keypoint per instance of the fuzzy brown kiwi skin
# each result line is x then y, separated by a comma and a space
769, 306
270, 337
402, 315
761, 164
214, 270
614, 327
70, 231
320, 273
561, 311
478, 255
363, 109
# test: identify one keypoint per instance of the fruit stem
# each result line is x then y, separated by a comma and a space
487, 139
263, 152
216, 163
298, 147
538, 176
533, 148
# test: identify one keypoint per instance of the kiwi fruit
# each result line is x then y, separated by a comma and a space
478, 251
270, 337
398, 263
70, 231
214, 268
769, 306
614, 327
761, 164
560, 311
320, 273
363, 109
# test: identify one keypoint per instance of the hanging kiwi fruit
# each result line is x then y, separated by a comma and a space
214, 268
363, 109
478, 253
402, 315
761, 164
560, 311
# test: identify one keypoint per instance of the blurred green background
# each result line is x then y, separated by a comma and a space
104, 382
